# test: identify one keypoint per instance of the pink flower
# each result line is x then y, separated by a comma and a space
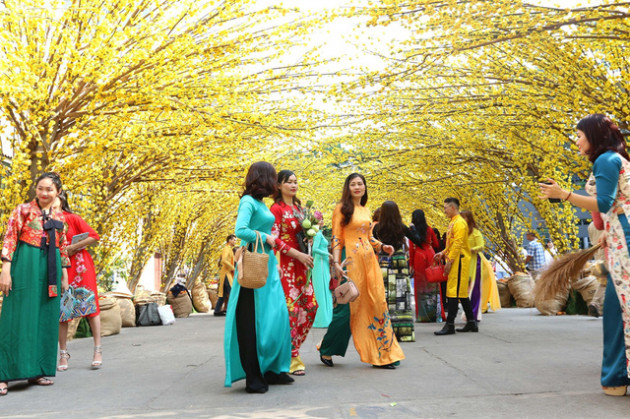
318, 215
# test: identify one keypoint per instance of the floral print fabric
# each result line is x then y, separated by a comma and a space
300, 297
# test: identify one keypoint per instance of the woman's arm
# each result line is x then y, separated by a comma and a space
317, 242
554, 190
337, 240
606, 171
284, 248
14, 227
82, 226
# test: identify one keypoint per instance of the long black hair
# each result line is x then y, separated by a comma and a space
63, 198
602, 135
419, 227
347, 204
390, 228
283, 176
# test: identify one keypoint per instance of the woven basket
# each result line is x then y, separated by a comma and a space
252, 266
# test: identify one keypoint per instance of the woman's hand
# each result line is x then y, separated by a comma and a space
388, 249
5, 279
552, 191
64, 280
339, 272
438, 257
447, 267
602, 240
271, 241
306, 260
72, 249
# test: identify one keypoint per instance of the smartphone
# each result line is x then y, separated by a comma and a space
552, 200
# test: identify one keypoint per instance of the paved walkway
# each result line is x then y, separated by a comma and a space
520, 364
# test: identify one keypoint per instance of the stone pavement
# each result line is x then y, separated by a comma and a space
520, 364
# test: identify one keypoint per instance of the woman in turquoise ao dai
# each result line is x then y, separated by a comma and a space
321, 280
257, 339
599, 139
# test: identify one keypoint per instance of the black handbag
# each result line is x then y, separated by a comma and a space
301, 241
148, 315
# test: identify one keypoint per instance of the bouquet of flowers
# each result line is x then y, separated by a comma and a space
309, 219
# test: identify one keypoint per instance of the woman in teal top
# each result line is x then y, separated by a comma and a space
602, 142
321, 280
257, 340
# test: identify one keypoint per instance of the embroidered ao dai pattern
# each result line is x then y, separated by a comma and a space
610, 184
29, 325
370, 325
300, 298
81, 272
397, 282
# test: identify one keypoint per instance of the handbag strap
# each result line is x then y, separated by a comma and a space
262, 244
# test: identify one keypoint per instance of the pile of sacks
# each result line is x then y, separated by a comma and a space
587, 284
519, 287
120, 308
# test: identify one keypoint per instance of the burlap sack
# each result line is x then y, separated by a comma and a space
504, 294
127, 312
158, 298
182, 305
553, 306
111, 321
213, 296
586, 286
201, 300
521, 286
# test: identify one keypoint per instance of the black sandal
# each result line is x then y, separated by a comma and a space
327, 362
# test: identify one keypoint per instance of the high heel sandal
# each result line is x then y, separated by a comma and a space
97, 350
63, 354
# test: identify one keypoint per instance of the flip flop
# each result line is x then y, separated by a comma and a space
41, 381
299, 373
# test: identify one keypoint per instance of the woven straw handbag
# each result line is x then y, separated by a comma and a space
252, 266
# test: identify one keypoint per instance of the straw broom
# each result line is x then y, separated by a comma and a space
555, 279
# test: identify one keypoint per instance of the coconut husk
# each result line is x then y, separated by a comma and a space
556, 278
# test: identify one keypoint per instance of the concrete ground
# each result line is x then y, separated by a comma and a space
520, 364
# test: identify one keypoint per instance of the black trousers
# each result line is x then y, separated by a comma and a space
246, 335
452, 309
226, 295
